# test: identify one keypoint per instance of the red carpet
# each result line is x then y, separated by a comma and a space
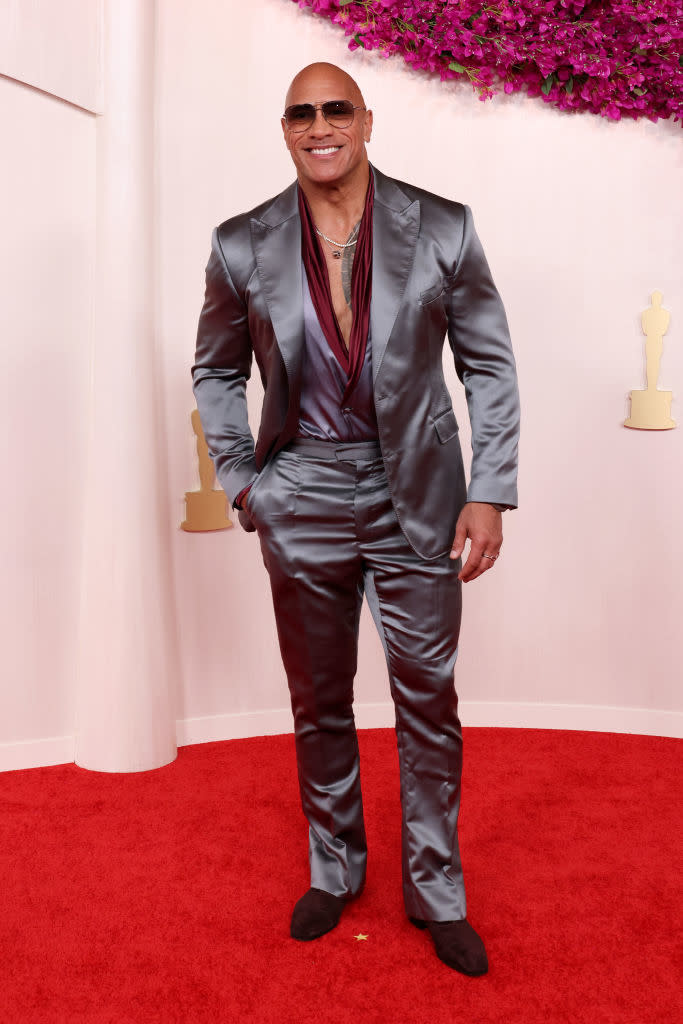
165, 896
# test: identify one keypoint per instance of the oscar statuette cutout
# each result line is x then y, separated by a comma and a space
206, 509
651, 408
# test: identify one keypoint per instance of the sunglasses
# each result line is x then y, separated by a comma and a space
338, 113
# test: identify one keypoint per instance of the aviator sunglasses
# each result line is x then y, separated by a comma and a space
338, 113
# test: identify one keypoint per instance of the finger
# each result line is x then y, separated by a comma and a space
471, 571
459, 539
473, 560
477, 563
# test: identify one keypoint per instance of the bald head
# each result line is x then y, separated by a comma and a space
312, 81
326, 153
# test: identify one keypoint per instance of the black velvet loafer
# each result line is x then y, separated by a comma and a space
457, 945
316, 913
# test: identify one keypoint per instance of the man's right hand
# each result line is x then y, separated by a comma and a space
245, 521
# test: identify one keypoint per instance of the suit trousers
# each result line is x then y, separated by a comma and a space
329, 534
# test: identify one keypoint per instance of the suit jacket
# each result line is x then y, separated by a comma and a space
430, 280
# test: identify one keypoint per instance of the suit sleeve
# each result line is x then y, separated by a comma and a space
480, 340
220, 373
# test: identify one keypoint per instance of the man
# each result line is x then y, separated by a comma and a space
343, 287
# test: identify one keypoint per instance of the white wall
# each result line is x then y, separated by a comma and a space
54, 45
47, 246
581, 219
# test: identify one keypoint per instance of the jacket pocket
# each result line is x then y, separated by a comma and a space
436, 290
446, 426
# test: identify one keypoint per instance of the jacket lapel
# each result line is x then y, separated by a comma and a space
276, 237
396, 224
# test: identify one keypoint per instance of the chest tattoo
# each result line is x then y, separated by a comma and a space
347, 265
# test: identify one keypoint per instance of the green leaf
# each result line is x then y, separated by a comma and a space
359, 40
454, 66
548, 83
343, 3
410, 26
569, 84
639, 92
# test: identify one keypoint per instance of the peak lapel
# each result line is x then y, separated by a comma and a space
276, 237
396, 224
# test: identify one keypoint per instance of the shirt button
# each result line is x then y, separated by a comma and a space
347, 409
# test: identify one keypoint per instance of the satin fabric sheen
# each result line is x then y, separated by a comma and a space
329, 532
430, 280
333, 524
324, 412
361, 288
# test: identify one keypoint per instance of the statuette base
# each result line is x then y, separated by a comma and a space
651, 410
206, 510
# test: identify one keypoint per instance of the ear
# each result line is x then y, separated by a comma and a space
367, 127
285, 132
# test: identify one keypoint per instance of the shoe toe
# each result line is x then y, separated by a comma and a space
458, 945
316, 913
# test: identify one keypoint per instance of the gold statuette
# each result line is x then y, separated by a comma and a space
206, 509
651, 409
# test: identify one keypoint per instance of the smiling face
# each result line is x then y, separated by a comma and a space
323, 154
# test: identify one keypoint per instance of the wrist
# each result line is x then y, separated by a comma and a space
492, 504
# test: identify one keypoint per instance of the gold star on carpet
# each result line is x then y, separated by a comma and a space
361, 938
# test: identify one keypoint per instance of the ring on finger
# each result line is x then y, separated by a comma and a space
491, 557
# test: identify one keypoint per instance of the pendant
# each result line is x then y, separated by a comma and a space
337, 255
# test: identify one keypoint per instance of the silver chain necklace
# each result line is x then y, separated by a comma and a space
339, 245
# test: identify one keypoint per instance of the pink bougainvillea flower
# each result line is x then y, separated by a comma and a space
615, 58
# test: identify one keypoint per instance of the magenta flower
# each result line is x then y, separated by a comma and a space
616, 58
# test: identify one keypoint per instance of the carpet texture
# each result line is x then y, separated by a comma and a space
165, 896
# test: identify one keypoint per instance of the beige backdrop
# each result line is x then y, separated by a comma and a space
581, 220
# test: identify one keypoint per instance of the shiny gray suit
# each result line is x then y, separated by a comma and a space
331, 529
